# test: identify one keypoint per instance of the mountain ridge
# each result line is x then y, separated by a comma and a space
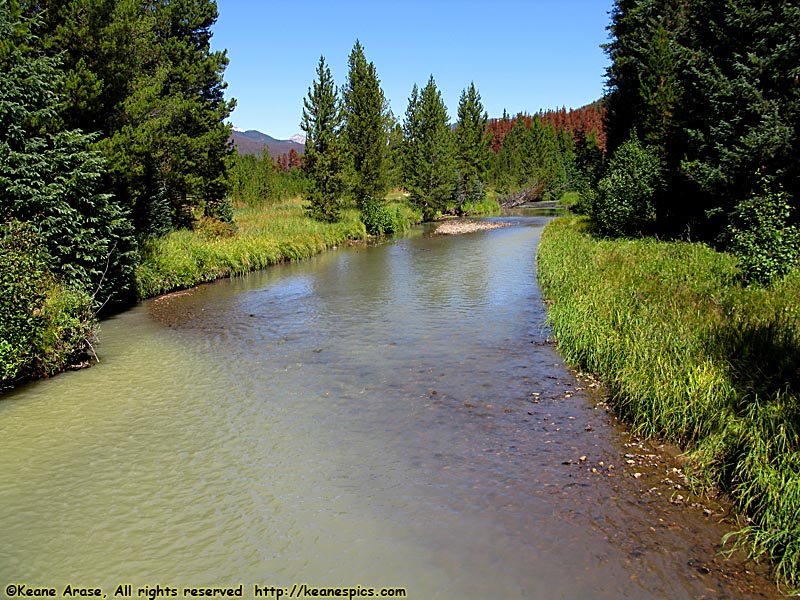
253, 141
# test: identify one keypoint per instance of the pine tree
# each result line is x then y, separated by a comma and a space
395, 155
545, 173
429, 156
366, 119
51, 179
322, 122
471, 148
511, 175
142, 76
659, 90
712, 85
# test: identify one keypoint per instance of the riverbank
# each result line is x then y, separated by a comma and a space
691, 357
266, 235
263, 236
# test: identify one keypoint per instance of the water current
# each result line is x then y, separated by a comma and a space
383, 416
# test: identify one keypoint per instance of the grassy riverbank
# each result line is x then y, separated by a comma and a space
691, 356
263, 236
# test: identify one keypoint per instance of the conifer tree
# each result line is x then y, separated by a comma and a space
471, 147
712, 86
49, 177
510, 174
141, 74
322, 123
545, 172
366, 121
429, 156
659, 90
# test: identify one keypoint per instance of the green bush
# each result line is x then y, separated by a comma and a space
485, 207
624, 204
761, 238
44, 326
378, 218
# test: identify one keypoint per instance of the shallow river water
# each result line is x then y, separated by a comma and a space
387, 416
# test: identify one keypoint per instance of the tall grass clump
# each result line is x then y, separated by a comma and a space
691, 356
264, 236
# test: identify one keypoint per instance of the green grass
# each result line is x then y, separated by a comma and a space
692, 357
264, 236
569, 199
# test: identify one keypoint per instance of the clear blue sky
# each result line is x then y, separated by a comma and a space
522, 55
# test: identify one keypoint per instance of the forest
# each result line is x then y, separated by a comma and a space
115, 144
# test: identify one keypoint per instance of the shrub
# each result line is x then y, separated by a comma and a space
624, 204
44, 325
761, 238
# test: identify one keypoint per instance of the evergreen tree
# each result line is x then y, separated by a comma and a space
472, 148
545, 173
590, 162
322, 123
568, 171
712, 86
395, 155
142, 76
50, 178
429, 157
531, 162
743, 122
659, 89
511, 175
366, 119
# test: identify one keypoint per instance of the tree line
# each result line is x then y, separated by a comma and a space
356, 148
111, 130
702, 123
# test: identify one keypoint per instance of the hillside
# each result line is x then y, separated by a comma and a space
253, 142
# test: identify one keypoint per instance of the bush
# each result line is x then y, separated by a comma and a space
44, 326
760, 237
624, 204
378, 218
485, 207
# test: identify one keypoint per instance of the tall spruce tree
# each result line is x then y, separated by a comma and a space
429, 155
322, 123
712, 87
141, 74
471, 148
49, 177
546, 175
366, 121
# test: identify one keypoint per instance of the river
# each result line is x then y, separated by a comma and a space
383, 416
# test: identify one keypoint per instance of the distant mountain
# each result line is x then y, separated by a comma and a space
253, 142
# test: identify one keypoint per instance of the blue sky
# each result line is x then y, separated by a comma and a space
522, 56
